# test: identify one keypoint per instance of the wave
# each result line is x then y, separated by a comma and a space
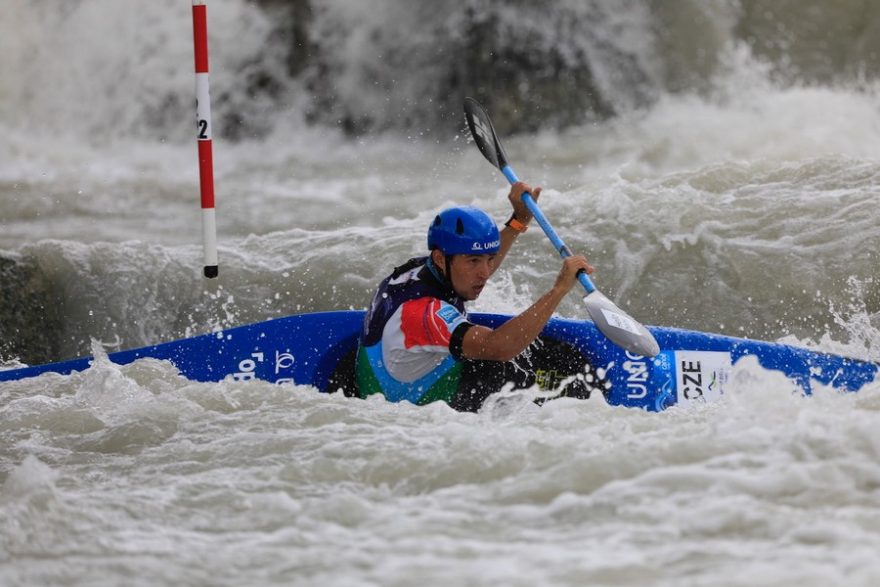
742, 249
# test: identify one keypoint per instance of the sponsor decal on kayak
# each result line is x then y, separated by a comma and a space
701, 375
675, 377
637, 374
251, 367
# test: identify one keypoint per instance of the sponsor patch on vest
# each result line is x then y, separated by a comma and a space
448, 314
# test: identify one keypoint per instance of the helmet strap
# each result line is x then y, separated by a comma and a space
448, 270
446, 276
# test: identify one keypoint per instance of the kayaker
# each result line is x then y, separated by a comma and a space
417, 343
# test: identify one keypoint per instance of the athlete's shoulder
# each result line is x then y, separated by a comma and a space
429, 321
407, 272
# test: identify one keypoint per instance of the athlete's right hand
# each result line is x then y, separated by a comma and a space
568, 274
520, 211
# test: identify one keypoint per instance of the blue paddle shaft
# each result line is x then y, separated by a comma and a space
563, 250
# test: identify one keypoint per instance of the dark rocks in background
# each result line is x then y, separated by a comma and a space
406, 66
30, 317
814, 41
268, 76
692, 37
534, 66
294, 18
526, 81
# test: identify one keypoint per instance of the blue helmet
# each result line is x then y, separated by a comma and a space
464, 230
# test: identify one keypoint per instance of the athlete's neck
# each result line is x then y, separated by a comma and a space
444, 283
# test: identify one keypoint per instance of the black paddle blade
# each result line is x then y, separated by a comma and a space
484, 133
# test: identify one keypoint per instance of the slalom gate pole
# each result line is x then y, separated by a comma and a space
206, 155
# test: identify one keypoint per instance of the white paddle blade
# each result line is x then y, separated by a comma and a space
619, 327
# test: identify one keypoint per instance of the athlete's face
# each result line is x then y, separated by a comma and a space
470, 274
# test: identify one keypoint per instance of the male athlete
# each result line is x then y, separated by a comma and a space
417, 343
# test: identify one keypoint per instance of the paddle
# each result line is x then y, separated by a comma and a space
617, 325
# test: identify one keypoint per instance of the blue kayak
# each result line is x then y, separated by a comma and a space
306, 349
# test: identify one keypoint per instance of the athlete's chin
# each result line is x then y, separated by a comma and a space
470, 294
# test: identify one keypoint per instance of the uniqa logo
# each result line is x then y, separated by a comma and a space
636, 376
485, 246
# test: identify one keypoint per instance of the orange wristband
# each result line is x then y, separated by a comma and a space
516, 224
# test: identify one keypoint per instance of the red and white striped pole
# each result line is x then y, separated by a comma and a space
206, 155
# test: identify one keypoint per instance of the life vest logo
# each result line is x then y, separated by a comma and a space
486, 246
448, 314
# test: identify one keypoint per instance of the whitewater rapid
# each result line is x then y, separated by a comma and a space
131, 474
